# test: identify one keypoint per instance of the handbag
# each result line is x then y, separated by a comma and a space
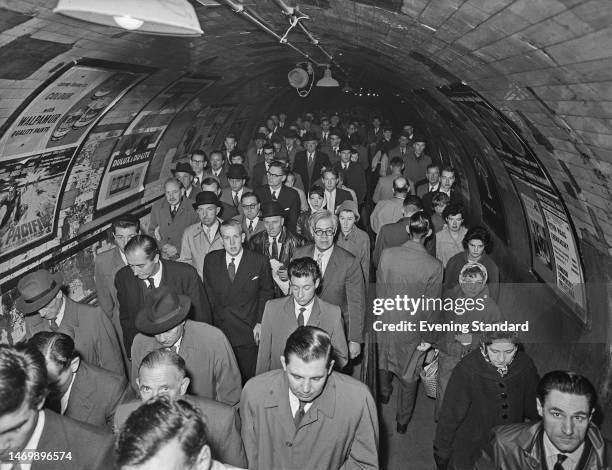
429, 376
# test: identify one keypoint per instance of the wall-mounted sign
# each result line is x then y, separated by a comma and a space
39, 143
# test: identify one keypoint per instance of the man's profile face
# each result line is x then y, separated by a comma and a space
123, 235
162, 379
208, 214
173, 193
274, 225
216, 161
140, 264
15, 430
59, 379
446, 180
171, 456
232, 238
169, 338
50, 311
303, 289
565, 418
306, 379
184, 178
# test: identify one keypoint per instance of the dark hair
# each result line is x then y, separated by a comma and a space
199, 152
454, 209
439, 199
302, 267
487, 337
23, 377
412, 200
216, 152
126, 221
419, 224
209, 180
317, 189
164, 357
278, 164
268, 146
477, 233
330, 169
250, 194
147, 243
308, 343
396, 162
231, 223
434, 165
55, 347
157, 422
567, 382
449, 169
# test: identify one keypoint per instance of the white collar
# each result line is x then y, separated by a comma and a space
32, 444
157, 277
66, 396
60, 316
237, 258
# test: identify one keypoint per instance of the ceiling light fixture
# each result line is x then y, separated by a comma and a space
159, 17
327, 80
300, 77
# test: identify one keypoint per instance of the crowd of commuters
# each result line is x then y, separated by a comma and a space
234, 329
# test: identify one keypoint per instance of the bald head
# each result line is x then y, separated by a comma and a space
400, 187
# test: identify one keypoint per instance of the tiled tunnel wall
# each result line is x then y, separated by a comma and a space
546, 64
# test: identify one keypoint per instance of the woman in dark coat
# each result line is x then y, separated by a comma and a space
493, 385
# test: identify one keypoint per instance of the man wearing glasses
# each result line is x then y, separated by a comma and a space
260, 170
342, 279
250, 219
275, 190
198, 163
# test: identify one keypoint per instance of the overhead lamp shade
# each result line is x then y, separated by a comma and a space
298, 77
161, 17
328, 80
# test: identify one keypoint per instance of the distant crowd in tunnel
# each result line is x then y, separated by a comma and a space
267, 295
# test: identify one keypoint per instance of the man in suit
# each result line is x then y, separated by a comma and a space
432, 183
106, 266
447, 180
185, 174
275, 190
204, 236
170, 217
417, 161
302, 307
353, 174
209, 359
334, 196
323, 132
374, 132
401, 150
238, 283
95, 338
229, 146
217, 168
199, 162
406, 270
236, 177
389, 211
276, 243
259, 177
254, 154
306, 415
251, 221
566, 437
290, 148
163, 372
166, 434
227, 210
343, 282
77, 389
308, 163
395, 234
25, 427
146, 271
332, 149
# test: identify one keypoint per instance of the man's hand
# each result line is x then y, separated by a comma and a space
423, 346
169, 251
257, 333
354, 349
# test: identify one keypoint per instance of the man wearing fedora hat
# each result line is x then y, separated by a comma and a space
227, 210
185, 174
170, 216
209, 360
308, 163
94, 336
238, 283
353, 174
275, 190
236, 178
352, 238
276, 242
204, 236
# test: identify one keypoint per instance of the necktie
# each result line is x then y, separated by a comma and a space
560, 459
53, 325
344, 166
231, 270
250, 226
299, 414
274, 249
236, 200
196, 181
173, 210
320, 262
151, 283
300, 318
274, 196
403, 152
325, 136
258, 153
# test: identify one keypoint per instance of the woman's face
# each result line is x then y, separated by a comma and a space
501, 352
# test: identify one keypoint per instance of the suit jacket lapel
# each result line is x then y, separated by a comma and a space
243, 270
53, 437
315, 313
80, 392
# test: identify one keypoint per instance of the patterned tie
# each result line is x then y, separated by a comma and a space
274, 249
300, 318
320, 262
560, 459
299, 414
403, 151
151, 283
236, 203
173, 210
196, 181
274, 198
250, 227
53, 326
231, 270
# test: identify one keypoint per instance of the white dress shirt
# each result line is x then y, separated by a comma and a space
60, 315
330, 200
157, 277
552, 452
237, 258
66, 396
294, 403
32, 444
307, 312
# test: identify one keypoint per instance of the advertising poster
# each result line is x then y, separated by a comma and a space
124, 176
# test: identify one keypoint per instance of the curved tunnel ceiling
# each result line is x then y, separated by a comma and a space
546, 64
